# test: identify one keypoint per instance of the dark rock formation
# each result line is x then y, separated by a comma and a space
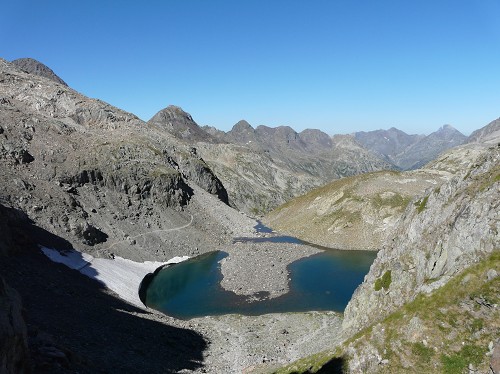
32, 66
180, 124
439, 235
14, 353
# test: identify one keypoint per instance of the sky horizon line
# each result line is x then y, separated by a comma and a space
341, 67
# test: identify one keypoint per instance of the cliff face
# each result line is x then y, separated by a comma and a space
440, 234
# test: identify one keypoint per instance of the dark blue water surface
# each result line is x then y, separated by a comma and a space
325, 281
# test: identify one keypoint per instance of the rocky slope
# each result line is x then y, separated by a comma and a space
488, 134
410, 151
79, 173
361, 212
430, 300
455, 329
96, 175
441, 233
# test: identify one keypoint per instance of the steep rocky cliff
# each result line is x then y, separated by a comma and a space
440, 234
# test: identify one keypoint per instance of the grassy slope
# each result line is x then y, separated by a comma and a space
353, 212
454, 326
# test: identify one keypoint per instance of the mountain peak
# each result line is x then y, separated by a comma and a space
170, 113
447, 128
180, 124
242, 125
32, 66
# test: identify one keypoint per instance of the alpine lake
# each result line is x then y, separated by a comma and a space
321, 282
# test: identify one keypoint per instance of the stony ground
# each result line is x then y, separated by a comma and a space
75, 325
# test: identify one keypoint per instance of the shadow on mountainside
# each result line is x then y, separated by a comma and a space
75, 325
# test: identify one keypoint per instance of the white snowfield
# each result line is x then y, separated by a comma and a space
120, 275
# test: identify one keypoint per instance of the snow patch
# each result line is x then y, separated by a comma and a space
120, 275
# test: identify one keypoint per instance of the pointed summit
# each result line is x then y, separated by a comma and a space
180, 124
32, 66
242, 125
242, 133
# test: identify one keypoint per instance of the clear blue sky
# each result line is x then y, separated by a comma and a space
340, 66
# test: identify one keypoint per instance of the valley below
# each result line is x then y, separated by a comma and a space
123, 196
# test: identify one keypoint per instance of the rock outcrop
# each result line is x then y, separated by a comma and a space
32, 66
440, 234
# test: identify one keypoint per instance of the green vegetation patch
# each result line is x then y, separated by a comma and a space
425, 354
420, 204
394, 201
458, 362
384, 281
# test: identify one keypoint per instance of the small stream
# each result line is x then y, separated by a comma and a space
325, 281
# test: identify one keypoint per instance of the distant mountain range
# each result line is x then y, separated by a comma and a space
408, 152
262, 168
265, 166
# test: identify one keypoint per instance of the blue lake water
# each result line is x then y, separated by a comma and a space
325, 281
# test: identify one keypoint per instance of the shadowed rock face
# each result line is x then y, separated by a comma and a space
32, 66
14, 354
